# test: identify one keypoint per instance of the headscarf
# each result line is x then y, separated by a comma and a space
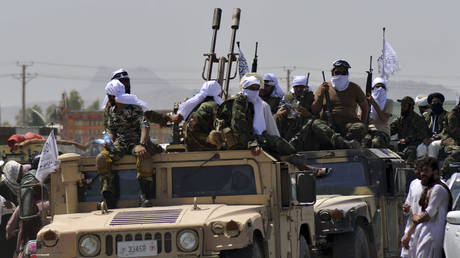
258, 122
118, 74
117, 89
10, 175
380, 96
271, 79
209, 88
299, 80
421, 100
340, 82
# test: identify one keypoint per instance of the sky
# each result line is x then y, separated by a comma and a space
68, 41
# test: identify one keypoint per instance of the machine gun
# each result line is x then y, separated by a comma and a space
224, 72
369, 85
254, 61
330, 120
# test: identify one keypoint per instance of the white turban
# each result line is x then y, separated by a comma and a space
271, 79
421, 100
300, 80
10, 175
120, 73
379, 94
117, 89
258, 122
209, 88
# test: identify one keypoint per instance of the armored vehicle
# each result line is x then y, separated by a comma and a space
207, 204
358, 210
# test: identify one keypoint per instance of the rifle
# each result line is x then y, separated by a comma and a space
308, 79
369, 86
330, 120
254, 61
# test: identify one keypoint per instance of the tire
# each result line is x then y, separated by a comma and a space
304, 249
252, 251
351, 245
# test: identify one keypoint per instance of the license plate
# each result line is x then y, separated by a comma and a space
137, 248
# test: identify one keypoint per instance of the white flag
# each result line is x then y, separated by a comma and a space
48, 158
243, 67
388, 62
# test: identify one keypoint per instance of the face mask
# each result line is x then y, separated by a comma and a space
436, 108
340, 82
252, 95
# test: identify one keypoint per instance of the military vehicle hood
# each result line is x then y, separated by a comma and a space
341, 202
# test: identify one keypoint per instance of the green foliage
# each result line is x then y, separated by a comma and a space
96, 105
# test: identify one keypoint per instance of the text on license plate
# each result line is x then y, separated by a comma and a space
137, 248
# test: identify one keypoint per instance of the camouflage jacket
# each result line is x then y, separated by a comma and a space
157, 118
412, 127
199, 124
125, 124
440, 123
237, 114
273, 102
452, 126
288, 123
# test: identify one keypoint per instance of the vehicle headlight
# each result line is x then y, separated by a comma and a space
187, 240
89, 245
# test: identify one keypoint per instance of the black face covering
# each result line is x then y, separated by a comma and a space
437, 108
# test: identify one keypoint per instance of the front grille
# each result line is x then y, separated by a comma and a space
145, 217
164, 241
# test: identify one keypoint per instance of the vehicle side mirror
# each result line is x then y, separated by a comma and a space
305, 187
402, 179
453, 217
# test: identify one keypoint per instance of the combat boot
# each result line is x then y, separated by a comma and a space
145, 186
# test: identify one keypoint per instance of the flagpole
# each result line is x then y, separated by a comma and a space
383, 54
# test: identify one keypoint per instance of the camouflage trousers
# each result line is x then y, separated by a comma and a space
409, 153
453, 155
316, 134
105, 159
376, 139
352, 131
275, 145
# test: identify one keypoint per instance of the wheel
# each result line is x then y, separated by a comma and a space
304, 250
351, 245
252, 251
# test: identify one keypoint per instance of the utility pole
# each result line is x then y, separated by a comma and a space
288, 77
25, 78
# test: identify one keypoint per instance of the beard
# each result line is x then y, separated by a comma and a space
426, 181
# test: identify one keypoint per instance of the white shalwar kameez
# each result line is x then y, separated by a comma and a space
430, 234
412, 199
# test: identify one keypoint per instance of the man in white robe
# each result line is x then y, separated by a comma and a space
435, 201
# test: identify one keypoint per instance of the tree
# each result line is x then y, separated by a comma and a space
34, 117
94, 106
53, 114
73, 101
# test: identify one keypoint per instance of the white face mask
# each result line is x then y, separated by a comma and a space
252, 95
340, 82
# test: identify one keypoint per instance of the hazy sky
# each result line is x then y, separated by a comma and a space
170, 37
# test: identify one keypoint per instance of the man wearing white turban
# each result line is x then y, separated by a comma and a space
199, 113
297, 108
128, 130
421, 101
381, 110
271, 92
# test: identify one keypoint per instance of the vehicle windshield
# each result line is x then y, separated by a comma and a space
343, 175
213, 181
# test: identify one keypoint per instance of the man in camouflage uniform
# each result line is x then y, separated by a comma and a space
452, 140
122, 76
128, 130
271, 92
410, 128
199, 114
297, 109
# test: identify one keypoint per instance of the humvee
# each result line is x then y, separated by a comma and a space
358, 210
207, 204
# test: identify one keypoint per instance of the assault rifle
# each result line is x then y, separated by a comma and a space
369, 86
330, 120
254, 61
